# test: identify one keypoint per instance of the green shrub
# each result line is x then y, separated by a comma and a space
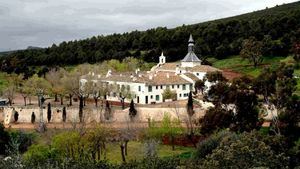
40, 154
4, 138
244, 152
24, 139
206, 146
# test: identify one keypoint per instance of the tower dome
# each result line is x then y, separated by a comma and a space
191, 59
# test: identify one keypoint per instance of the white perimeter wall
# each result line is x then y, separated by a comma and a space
96, 115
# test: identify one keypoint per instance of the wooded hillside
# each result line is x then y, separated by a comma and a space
278, 28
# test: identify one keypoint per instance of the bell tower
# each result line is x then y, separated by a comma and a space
162, 59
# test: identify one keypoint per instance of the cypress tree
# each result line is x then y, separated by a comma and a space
64, 114
189, 105
32, 118
49, 112
132, 110
16, 116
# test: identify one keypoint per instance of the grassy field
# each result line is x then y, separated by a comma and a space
3, 81
136, 151
238, 64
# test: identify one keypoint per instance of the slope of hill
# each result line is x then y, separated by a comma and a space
277, 28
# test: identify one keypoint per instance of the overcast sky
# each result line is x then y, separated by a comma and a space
44, 22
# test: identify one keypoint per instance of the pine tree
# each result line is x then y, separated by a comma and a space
49, 112
132, 110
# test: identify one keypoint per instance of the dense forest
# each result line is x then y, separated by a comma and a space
277, 28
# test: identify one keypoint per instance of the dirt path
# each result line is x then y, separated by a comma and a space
113, 125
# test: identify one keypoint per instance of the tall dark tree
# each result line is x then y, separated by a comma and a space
49, 113
107, 113
285, 85
132, 110
190, 111
190, 105
32, 118
64, 115
265, 84
289, 120
246, 105
81, 105
16, 116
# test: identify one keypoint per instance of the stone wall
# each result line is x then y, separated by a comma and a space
96, 114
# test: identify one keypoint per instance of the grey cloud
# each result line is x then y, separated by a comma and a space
43, 22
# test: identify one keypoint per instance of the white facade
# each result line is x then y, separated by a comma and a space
148, 87
190, 64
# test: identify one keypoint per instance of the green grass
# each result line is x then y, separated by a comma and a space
3, 81
136, 151
238, 64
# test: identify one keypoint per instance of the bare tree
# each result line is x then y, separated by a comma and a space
124, 92
75, 86
41, 87
26, 91
14, 83
9, 93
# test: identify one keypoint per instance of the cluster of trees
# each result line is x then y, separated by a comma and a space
276, 29
240, 105
60, 84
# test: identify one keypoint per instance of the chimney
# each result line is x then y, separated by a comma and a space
108, 73
137, 70
93, 74
177, 71
150, 77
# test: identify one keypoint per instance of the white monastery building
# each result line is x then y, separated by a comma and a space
148, 87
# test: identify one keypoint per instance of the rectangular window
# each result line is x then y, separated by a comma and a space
172, 86
178, 86
197, 74
149, 88
183, 87
161, 87
157, 97
156, 87
151, 96
139, 88
180, 95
